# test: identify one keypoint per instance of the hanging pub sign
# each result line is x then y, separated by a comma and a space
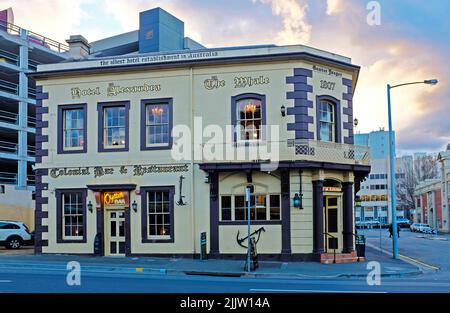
114, 199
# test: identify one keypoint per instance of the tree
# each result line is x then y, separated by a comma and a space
423, 168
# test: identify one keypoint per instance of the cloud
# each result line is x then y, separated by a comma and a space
295, 29
334, 6
55, 19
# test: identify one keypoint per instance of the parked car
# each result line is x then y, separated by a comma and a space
14, 234
422, 228
403, 223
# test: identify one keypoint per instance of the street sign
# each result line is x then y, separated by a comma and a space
203, 255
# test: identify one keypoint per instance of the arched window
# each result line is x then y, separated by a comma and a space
327, 121
248, 116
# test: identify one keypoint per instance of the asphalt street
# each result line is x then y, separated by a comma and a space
432, 252
46, 281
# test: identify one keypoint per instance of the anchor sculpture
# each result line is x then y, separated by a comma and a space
257, 233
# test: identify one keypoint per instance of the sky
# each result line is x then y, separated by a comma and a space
411, 42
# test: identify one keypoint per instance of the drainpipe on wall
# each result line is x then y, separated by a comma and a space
191, 101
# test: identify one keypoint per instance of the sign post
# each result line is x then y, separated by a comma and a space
203, 246
248, 192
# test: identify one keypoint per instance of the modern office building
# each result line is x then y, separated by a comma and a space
21, 51
375, 191
145, 153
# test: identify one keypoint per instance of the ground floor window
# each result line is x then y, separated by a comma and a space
71, 211
263, 207
158, 217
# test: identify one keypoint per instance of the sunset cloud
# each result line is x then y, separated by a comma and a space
399, 50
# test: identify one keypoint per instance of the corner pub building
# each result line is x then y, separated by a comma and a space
108, 182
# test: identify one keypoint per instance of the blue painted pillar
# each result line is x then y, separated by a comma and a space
23, 112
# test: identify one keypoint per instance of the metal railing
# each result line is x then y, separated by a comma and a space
290, 150
34, 37
13, 148
13, 88
9, 87
13, 118
8, 147
8, 178
327, 244
9, 117
31, 179
9, 57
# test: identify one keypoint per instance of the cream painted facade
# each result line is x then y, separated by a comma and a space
286, 78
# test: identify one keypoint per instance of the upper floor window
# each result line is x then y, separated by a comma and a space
327, 124
248, 114
72, 128
156, 125
113, 126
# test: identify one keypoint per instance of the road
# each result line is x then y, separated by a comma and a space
30, 281
431, 252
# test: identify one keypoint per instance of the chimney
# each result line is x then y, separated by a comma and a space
78, 47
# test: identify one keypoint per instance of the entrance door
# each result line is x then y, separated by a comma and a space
332, 223
115, 231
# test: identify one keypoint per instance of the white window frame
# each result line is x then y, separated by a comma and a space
331, 122
64, 215
148, 125
64, 130
159, 237
105, 127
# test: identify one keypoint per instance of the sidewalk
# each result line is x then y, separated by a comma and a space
213, 267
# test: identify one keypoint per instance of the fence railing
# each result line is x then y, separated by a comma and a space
8, 147
290, 150
9, 87
9, 57
8, 178
34, 37
9, 117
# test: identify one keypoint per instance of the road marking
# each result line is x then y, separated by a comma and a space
314, 291
406, 258
5, 281
419, 262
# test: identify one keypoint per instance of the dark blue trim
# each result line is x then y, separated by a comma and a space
59, 215
162, 101
61, 109
144, 215
337, 116
100, 108
255, 96
301, 103
348, 96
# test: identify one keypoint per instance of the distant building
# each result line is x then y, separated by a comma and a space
429, 203
375, 189
444, 164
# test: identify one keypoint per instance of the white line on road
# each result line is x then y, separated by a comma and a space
5, 281
313, 291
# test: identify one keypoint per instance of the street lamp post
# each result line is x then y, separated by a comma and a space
392, 164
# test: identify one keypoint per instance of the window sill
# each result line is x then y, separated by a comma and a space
157, 147
72, 151
272, 222
158, 240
